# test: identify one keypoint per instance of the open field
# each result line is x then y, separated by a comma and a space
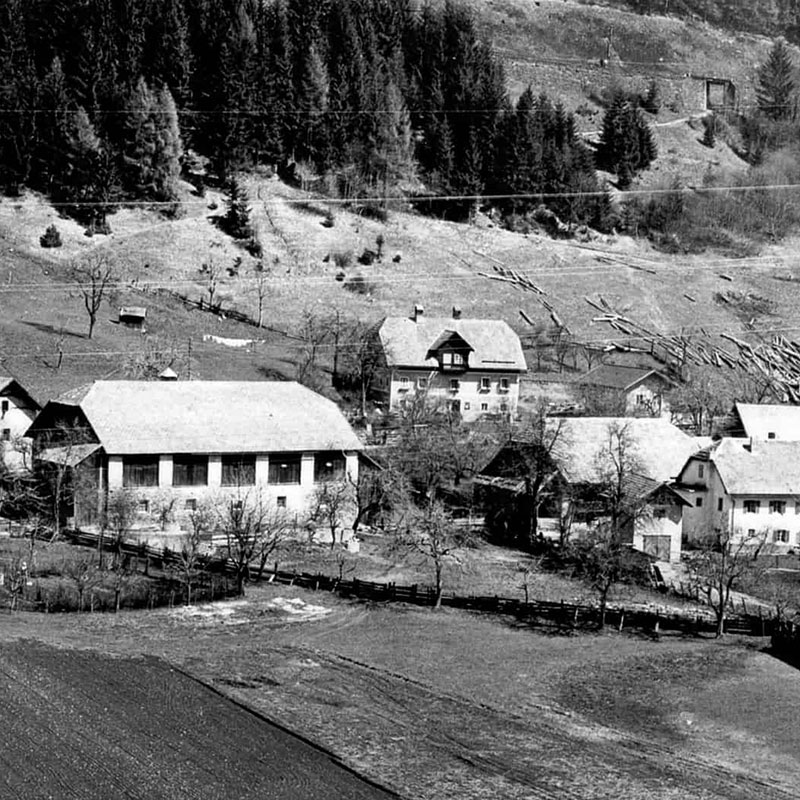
450, 705
84, 726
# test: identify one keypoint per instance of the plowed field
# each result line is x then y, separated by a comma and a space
80, 725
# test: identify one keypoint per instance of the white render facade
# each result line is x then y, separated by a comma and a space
761, 500
472, 394
17, 410
180, 444
471, 367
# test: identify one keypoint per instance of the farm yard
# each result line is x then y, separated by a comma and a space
431, 705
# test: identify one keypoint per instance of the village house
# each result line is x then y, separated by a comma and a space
633, 391
188, 441
748, 486
578, 466
470, 366
17, 410
765, 422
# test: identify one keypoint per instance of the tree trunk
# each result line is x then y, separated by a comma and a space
438, 601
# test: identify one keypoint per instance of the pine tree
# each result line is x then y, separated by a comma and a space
237, 217
52, 126
168, 148
626, 139
775, 90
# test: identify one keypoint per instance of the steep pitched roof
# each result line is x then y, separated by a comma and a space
494, 344
617, 376
759, 421
767, 468
141, 417
12, 387
659, 449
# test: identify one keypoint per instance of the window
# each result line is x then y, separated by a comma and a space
451, 360
403, 385
777, 507
190, 504
659, 513
422, 383
486, 384
281, 501
752, 506
504, 407
771, 435
720, 503
3, 407
466, 406
6, 434
797, 506
284, 468
503, 384
144, 506
484, 406
641, 399
455, 384
139, 471
328, 467
781, 535
698, 502
701, 470
751, 531
238, 470
189, 470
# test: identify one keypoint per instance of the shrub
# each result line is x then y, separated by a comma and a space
51, 237
358, 284
367, 257
342, 258
330, 219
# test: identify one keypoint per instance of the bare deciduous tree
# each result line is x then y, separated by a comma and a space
332, 505
201, 521
118, 518
431, 535
92, 277
253, 531
83, 572
724, 561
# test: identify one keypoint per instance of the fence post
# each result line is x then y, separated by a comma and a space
656, 629
621, 620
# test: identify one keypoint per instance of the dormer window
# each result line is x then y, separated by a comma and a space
452, 360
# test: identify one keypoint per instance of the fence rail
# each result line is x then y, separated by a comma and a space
563, 615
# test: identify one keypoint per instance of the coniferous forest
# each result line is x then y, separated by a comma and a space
102, 99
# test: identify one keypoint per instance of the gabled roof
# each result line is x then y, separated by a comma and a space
617, 376
767, 468
11, 387
759, 421
494, 344
148, 417
639, 487
658, 452
659, 448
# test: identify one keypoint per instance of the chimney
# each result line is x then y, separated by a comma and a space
418, 312
456, 312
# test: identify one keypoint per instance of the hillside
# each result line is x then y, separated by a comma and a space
440, 263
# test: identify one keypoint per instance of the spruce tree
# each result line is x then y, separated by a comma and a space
775, 90
237, 217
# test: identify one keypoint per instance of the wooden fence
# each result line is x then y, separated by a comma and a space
560, 615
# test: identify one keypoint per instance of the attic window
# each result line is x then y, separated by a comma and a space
701, 470
238, 470
751, 506
453, 360
189, 470
140, 470
777, 507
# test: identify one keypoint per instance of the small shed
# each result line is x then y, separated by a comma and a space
133, 317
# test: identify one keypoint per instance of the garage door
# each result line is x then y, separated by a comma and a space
657, 546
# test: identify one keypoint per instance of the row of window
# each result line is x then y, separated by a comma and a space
780, 536
237, 470
754, 506
503, 385
190, 504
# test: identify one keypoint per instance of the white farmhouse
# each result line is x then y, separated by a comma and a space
191, 440
748, 486
17, 410
473, 366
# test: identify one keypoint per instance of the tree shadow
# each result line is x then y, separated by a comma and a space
53, 330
